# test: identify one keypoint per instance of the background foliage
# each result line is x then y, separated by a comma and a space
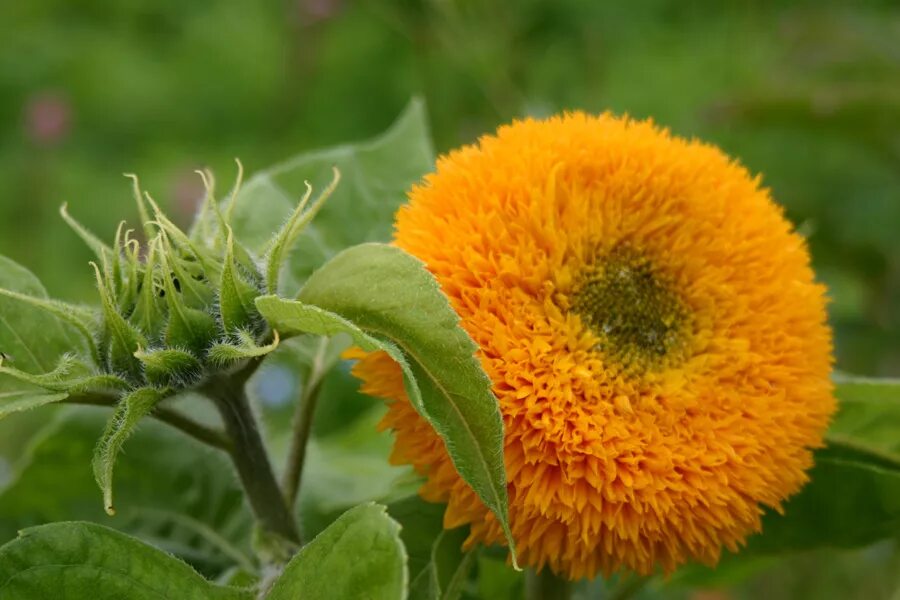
804, 92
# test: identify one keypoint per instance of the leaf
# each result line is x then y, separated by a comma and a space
31, 340
386, 300
75, 316
162, 470
868, 413
375, 178
350, 467
84, 561
26, 399
130, 410
359, 556
851, 500
438, 567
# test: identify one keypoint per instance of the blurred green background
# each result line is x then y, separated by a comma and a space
805, 93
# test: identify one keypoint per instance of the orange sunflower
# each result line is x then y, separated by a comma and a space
654, 335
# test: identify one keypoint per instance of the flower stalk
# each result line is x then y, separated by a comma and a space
302, 426
250, 458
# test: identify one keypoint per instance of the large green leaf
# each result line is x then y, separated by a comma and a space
438, 566
348, 468
851, 500
172, 491
359, 556
85, 561
868, 413
375, 176
31, 339
404, 313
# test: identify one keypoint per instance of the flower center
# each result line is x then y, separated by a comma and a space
633, 309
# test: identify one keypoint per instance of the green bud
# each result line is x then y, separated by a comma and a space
180, 308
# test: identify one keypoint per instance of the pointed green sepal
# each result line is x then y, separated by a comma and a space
144, 216
184, 244
188, 327
124, 339
187, 275
229, 210
236, 296
148, 315
285, 238
170, 367
130, 409
101, 250
71, 376
226, 354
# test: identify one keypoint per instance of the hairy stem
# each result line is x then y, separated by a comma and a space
250, 457
303, 418
173, 418
546, 586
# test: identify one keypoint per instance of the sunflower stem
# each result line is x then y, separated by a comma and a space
545, 585
303, 418
173, 418
250, 457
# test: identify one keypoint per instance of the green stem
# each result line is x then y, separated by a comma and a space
170, 417
303, 418
250, 457
546, 586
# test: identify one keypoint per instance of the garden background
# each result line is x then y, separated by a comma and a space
805, 93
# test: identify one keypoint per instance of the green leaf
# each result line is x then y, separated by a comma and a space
359, 556
77, 317
404, 313
351, 467
31, 340
164, 479
850, 501
84, 561
26, 399
130, 410
375, 178
438, 567
868, 413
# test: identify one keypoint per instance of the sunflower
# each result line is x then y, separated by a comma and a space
654, 335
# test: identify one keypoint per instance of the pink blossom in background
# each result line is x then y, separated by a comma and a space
48, 118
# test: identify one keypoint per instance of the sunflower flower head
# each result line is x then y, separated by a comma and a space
654, 335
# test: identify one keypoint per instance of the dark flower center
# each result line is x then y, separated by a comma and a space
633, 309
